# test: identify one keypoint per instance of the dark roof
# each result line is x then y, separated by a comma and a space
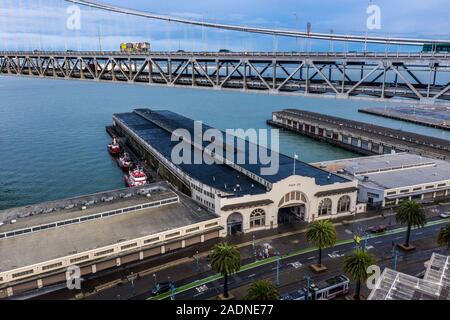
156, 127
219, 176
334, 192
171, 121
249, 204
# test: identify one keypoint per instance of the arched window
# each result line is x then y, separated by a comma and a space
257, 218
325, 207
344, 204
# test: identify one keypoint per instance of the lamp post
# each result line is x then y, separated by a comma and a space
308, 285
197, 262
154, 278
394, 255
278, 269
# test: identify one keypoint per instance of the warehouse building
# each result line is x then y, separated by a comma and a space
95, 233
386, 180
245, 199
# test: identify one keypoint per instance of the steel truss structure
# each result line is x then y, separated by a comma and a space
415, 77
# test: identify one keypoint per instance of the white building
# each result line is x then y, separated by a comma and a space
245, 199
386, 180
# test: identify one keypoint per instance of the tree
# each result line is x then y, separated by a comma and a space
356, 265
443, 238
321, 234
411, 213
262, 290
226, 260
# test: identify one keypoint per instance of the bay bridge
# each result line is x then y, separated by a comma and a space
412, 77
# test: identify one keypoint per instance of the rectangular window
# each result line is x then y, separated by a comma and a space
404, 191
52, 266
192, 229
128, 246
151, 240
78, 259
171, 235
441, 185
417, 189
209, 225
101, 253
391, 193
23, 273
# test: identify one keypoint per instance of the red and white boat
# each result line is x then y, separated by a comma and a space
136, 177
124, 162
114, 147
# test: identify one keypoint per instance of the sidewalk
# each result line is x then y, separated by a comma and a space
285, 239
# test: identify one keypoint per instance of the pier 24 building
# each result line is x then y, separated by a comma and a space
245, 199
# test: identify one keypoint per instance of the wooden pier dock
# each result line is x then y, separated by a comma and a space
364, 138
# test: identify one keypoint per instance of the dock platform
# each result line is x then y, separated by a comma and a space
364, 138
430, 116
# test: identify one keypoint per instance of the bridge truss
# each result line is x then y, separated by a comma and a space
415, 77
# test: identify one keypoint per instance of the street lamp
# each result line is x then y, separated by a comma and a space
394, 255
154, 278
197, 261
278, 269
308, 285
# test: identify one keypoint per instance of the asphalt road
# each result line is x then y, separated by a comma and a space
294, 269
283, 240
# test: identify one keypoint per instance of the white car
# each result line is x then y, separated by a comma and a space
445, 215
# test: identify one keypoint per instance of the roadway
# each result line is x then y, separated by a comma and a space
294, 269
181, 267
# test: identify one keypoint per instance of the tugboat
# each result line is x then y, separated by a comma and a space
136, 177
124, 162
114, 147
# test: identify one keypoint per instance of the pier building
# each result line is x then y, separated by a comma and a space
38, 243
386, 180
364, 138
245, 199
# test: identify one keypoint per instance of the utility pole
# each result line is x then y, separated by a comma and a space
308, 31
278, 269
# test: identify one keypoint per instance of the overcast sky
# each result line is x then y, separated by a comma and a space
42, 24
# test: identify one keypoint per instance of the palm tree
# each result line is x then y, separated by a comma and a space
411, 213
356, 265
226, 260
262, 290
444, 236
321, 234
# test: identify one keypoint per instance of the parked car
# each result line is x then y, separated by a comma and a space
445, 215
161, 288
378, 229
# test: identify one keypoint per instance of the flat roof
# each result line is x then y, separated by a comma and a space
392, 171
156, 127
29, 249
435, 285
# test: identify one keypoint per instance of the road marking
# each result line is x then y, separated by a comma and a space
256, 264
296, 264
252, 275
310, 258
398, 238
348, 231
378, 242
419, 233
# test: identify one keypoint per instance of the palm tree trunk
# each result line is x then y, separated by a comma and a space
408, 234
225, 285
320, 257
358, 290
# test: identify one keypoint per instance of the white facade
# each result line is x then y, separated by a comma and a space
300, 195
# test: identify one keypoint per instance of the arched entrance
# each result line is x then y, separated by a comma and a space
292, 207
235, 223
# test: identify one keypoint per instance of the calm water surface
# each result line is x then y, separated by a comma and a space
53, 139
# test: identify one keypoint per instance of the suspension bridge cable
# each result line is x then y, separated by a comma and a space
279, 32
